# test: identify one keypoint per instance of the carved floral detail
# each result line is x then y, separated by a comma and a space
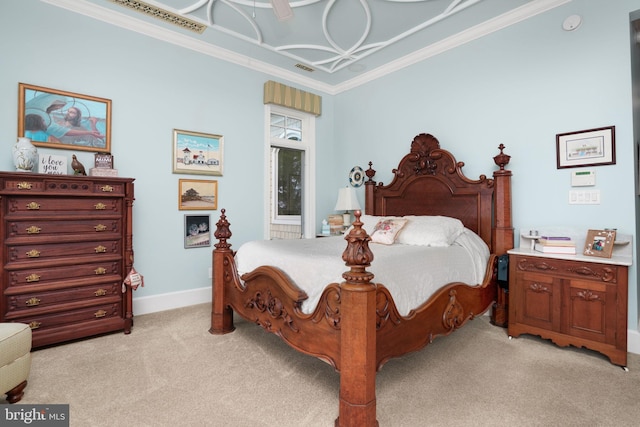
453, 316
266, 302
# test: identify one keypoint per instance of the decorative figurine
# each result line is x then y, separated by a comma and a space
78, 168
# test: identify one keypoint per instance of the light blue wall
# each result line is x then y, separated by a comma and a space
154, 87
520, 87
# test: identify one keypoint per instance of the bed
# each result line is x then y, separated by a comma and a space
356, 325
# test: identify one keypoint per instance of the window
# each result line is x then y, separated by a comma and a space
291, 192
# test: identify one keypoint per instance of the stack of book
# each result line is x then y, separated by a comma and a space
555, 245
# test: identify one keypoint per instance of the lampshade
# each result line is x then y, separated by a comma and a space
347, 200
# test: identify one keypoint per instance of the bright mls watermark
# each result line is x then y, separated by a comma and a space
35, 415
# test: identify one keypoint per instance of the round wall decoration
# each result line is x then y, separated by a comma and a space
356, 176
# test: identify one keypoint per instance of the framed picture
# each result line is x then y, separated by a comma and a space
59, 119
197, 233
197, 153
599, 243
593, 147
197, 194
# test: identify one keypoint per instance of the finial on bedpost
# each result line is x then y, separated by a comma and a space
370, 172
358, 256
222, 232
501, 159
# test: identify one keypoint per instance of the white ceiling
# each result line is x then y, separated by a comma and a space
331, 45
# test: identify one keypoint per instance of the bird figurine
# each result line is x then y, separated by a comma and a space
78, 168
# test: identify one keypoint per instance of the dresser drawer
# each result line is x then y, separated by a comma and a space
61, 206
31, 276
95, 313
34, 228
32, 303
569, 269
60, 186
39, 252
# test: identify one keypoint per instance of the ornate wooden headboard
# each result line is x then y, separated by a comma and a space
429, 181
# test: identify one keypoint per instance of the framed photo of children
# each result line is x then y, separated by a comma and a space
60, 119
599, 243
197, 194
197, 233
197, 153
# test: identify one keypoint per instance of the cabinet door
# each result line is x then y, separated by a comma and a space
538, 301
590, 310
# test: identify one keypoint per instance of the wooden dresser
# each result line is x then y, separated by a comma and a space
66, 250
571, 300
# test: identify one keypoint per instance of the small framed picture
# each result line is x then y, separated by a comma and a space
599, 243
593, 147
103, 161
197, 233
197, 153
197, 194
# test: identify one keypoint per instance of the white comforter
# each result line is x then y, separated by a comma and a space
411, 273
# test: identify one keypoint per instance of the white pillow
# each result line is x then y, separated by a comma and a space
437, 231
386, 230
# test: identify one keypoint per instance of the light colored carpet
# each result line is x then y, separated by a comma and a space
170, 371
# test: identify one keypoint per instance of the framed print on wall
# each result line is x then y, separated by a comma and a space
197, 194
197, 153
60, 119
592, 147
197, 233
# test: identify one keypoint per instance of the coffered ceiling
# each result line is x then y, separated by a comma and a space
331, 45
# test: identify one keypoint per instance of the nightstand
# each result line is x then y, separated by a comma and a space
571, 299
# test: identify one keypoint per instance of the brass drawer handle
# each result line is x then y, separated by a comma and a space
107, 189
33, 253
33, 278
24, 185
100, 249
100, 206
100, 270
33, 230
33, 206
100, 292
100, 313
100, 227
34, 325
32, 302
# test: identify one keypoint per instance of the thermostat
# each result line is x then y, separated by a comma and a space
584, 178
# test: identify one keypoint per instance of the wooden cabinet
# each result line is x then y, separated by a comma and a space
571, 302
66, 250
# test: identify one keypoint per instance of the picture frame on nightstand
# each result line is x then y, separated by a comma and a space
599, 243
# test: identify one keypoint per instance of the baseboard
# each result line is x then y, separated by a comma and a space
162, 302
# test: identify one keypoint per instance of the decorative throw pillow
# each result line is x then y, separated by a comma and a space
431, 231
386, 230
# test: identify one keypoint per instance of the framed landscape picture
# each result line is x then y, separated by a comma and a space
60, 119
592, 147
197, 153
197, 194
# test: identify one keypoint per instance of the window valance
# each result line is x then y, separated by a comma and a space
290, 97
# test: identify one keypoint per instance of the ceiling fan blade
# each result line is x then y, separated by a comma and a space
282, 9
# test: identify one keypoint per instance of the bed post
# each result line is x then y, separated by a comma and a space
502, 233
369, 189
357, 334
221, 315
